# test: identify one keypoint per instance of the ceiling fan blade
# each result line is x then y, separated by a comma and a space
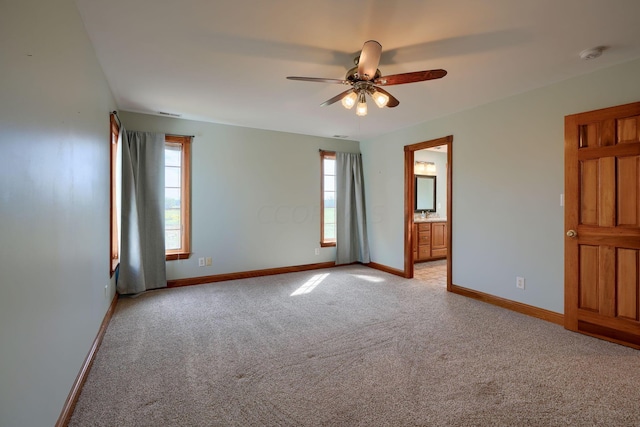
336, 98
416, 76
393, 101
369, 59
320, 80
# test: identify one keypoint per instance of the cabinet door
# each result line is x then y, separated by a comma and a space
415, 241
439, 239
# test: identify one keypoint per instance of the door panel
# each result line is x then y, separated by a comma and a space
628, 200
607, 192
589, 192
606, 281
628, 283
602, 187
628, 130
589, 135
588, 277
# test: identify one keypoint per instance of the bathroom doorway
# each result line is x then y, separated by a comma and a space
428, 200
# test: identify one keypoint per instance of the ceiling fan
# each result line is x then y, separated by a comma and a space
365, 78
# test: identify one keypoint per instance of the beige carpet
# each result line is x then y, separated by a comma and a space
349, 346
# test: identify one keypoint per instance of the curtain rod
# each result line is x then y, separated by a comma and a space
115, 113
172, 134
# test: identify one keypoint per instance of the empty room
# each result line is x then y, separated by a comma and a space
242, 212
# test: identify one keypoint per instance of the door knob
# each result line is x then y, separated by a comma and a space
572, 233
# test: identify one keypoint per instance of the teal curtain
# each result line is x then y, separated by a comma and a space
142, 247
352, 243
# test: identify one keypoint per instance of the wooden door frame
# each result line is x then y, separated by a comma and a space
409, 151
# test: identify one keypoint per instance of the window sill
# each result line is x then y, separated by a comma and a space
177, 255
327, 244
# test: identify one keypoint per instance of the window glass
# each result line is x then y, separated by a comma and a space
176, 196
114, 257
328, 209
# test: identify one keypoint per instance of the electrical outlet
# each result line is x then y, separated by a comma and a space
520, 282
106, 291
209, 261
200, 262
317, 251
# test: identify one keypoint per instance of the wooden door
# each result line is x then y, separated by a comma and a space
602, 222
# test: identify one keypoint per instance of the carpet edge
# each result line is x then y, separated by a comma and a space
387, 269
201, 280
529, 310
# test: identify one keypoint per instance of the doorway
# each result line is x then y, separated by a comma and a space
435, 234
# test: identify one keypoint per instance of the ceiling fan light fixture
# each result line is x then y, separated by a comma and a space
380, 99
361, 109
350, 100
365, 77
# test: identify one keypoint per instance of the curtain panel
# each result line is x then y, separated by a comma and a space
352, 243
142, 246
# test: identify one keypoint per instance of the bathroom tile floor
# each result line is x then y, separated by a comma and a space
431, 272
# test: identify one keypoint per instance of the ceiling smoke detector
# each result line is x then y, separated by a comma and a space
592, 53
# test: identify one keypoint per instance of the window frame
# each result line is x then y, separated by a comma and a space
184, 252
114, 244
324, 155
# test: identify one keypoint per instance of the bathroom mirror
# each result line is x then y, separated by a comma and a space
425, 193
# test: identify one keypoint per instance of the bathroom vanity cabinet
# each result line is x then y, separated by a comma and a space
430, 240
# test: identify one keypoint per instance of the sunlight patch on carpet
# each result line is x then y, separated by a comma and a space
310, 284
368, 278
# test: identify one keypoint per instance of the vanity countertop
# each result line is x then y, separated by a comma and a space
419, 220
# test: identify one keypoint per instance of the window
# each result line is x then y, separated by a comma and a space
177, 199
328, 199
114, 258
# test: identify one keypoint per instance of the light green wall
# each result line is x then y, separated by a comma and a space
54, 206
508, 175
255, 195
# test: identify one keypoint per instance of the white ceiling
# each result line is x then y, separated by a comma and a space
437, 149
225, 61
